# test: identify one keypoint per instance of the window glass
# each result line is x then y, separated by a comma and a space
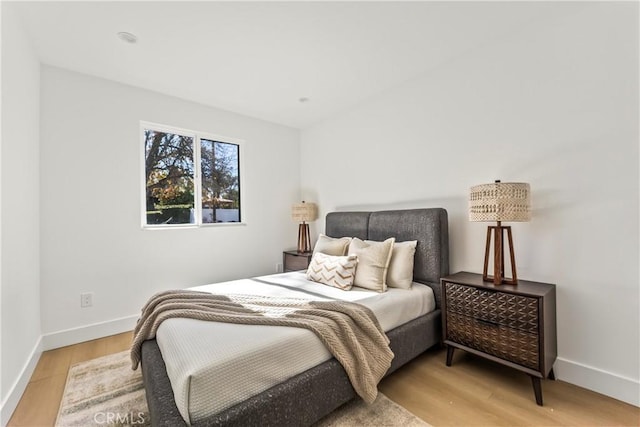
220, 171
169, 173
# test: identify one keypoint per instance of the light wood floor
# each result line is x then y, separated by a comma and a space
41, 400
478, 392
472, 392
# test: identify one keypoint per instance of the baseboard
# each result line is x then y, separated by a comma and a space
17, 389
89, 332
607, 383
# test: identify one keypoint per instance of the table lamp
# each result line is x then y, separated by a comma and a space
303, 213
500, 201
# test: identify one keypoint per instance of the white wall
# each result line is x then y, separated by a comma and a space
555, 105
91, 237
20, 252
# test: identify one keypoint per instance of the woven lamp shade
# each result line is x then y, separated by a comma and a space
500, 201
304, 212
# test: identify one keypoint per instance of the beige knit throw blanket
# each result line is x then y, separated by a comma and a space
350, 331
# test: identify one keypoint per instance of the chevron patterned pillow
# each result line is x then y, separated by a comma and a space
336, 271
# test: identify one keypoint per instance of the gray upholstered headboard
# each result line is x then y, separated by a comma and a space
428, 226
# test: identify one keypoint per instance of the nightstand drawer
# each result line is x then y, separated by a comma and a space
507, 309
294, 261
514, 345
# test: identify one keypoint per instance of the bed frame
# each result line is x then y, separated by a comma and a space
325, 387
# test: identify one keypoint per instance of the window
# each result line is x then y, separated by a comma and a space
189, 178
219, 166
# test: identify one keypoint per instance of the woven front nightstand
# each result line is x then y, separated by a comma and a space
511, 324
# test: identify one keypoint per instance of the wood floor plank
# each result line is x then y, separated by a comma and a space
52, 362
88, 350
472, 392
40, 402
118, 343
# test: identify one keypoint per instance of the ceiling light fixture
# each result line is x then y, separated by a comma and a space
127, 37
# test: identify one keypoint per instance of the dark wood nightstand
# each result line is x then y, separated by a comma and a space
294, 260
510, 324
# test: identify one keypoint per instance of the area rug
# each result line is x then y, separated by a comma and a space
106, 392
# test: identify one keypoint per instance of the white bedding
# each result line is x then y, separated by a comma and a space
213, 366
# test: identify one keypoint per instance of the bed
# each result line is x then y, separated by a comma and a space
325, 387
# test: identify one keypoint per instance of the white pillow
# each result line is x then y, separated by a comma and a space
373, 262
336, 271
400, 274
330, 246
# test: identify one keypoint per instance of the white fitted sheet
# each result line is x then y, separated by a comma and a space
213, 366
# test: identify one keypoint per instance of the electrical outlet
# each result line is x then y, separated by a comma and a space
279, 267
86, 300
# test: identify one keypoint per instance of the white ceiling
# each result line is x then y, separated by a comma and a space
259, 58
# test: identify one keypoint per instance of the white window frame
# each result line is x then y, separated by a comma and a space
197, 136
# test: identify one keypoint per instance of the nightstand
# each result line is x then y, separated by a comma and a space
514, 325
294, 260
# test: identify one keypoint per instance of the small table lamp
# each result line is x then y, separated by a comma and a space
500, 201
304, 212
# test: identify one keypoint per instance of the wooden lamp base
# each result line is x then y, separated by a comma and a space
304, 241
498, 256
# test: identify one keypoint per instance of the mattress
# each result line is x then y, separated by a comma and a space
213, 366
